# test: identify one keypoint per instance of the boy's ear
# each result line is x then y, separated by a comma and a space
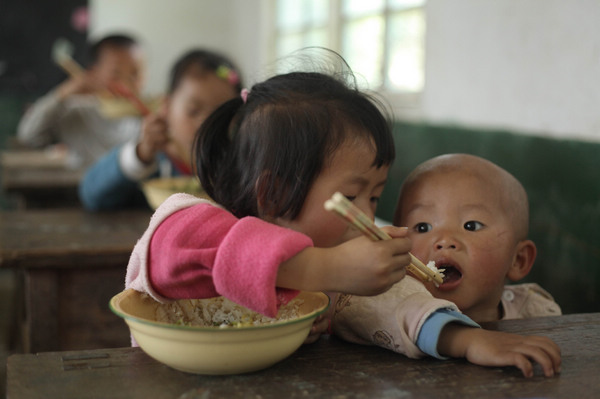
523, 260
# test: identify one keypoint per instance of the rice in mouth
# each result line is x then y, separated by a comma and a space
451, 273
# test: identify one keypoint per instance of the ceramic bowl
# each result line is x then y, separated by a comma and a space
215, 350
159, 189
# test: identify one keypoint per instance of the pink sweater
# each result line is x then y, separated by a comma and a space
195, 249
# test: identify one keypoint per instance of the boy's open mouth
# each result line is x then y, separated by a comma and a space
452, 274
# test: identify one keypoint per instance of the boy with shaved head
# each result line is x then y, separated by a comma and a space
472, 218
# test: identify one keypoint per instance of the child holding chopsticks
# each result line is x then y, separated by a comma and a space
200, 81
71, 113
271, 159
472, 218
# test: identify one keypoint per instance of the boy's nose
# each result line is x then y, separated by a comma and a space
446, 242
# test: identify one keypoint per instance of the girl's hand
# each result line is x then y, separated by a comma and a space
371, 267
320, 326
359, 266
154, 137
495, 348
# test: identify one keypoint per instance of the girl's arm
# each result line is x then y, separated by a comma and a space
204, 251
105, 186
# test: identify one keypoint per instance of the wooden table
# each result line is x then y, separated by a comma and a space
329, 368
71, 262
40, 178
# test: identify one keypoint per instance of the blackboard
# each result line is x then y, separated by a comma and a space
28, 29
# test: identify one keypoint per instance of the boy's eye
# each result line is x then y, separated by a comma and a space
350, 197
423, 227
375, 200
473, 225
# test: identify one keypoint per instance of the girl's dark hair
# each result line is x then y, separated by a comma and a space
260, 158
204, 61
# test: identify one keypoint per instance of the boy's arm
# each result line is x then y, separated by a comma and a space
394, 320
35, 128
495, 348
408, 320
432, 328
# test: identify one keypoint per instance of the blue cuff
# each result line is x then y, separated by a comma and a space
428, 338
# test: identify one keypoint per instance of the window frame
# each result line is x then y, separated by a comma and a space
397, 100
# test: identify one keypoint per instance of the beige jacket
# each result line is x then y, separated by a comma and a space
521, 301
391, 320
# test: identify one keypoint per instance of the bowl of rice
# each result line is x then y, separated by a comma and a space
217, 336
159, 189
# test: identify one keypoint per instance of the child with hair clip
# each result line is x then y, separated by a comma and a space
270, 159
200, 81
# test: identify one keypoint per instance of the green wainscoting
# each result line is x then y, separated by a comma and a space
562, 178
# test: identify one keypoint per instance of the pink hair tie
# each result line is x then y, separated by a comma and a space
244, 95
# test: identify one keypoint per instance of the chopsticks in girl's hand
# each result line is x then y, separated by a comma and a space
346, 209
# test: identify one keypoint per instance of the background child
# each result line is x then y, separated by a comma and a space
472, 218
71, 113
200, 81
271, 159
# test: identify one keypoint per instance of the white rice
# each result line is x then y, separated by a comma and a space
220, 312
431, 266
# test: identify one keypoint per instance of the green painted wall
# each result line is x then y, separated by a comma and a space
562, 179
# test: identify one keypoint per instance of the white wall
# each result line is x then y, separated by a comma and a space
531, 66
526, 65
168, 28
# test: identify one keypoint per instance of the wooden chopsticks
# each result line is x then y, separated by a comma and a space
346, 209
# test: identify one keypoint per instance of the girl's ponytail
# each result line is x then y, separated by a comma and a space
212, 150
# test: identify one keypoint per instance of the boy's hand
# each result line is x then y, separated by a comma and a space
84, 83
495, 348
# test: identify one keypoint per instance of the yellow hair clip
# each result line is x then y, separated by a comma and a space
228, 74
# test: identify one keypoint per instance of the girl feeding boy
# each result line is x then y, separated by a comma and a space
270, 159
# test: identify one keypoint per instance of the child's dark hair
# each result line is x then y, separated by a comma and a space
115, 40
204, 61
260, 157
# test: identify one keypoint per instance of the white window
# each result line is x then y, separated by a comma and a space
383, 41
